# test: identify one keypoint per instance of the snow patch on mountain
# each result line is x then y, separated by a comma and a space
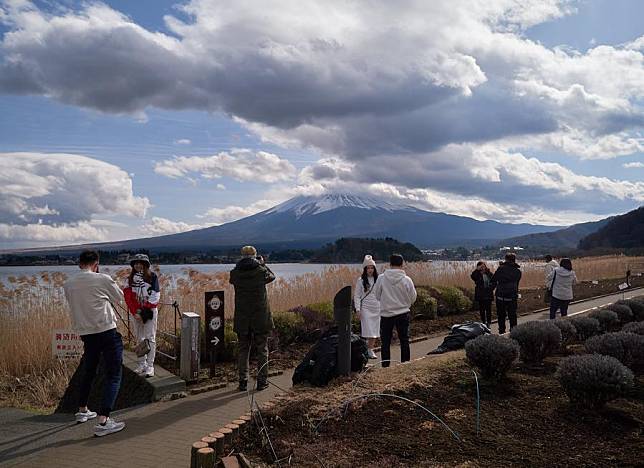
312, 205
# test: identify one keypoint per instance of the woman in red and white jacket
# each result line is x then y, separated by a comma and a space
142, 295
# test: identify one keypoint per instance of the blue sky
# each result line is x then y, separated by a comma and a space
199, 113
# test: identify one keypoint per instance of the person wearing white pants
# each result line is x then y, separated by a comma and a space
142, 295
366, 305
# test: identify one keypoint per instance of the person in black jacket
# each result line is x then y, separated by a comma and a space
483, 291
506, 282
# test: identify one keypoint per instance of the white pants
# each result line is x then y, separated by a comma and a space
147, 330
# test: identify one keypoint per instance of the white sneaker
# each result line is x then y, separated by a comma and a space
110, 427
83, 416
141, 368
371, 354
149, 371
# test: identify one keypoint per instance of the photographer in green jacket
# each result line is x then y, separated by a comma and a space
253, 321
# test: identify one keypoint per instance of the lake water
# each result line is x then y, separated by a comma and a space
281, 270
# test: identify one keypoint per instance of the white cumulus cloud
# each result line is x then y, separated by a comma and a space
238, 164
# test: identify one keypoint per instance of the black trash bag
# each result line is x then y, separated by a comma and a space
319, 366
459, 335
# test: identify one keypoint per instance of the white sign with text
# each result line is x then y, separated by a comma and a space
65, 344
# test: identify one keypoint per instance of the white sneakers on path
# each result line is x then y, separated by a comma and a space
110, 427
84, 416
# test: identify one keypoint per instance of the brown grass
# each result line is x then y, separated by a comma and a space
32, 306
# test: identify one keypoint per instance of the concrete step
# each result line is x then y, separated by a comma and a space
163, 383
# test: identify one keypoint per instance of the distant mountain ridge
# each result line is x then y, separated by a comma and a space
566, 238
619, 232
314, 221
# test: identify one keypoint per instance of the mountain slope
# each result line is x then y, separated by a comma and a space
566, 238
313, 221
621, 232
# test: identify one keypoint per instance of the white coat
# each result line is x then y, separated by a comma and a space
368, 307
563, 282
550, 267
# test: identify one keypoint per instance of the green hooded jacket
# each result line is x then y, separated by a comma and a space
252, 311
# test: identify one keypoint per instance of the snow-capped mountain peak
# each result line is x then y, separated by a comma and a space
311, 205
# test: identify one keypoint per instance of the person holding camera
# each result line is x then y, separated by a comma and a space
90, 296
253, 321
142, 294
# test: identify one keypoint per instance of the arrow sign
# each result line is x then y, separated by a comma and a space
215, 341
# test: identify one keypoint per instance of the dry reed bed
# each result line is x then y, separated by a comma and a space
32, 306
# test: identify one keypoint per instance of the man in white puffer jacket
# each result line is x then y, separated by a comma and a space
396, 293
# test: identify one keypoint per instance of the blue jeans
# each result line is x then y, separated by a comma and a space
110, 344
558, 304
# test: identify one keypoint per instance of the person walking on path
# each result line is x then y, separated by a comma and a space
366, 305
396, 293
142, 296
253, 319
483, 291
90, 296
561, 281
506, 282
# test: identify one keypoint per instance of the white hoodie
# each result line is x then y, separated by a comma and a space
562, 287
395, 291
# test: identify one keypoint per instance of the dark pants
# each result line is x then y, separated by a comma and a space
110, 344
485, 309
558, 304
387, 324
506, 308
260, 341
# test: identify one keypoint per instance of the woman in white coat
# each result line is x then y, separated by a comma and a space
560, 281
366, 304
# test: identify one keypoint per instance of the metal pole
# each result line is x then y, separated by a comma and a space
342, 316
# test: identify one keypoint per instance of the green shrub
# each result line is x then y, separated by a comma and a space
634, 327
608, 320
288, 327
492, 354
568, 331
586, 327
537, 339
325, 309
637, 307
425, 306
231, 343
624, 312
627, 348
592, 380
451, 300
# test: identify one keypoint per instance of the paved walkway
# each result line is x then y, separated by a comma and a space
158, 434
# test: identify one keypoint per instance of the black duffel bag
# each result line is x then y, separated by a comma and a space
459, 335
319, 366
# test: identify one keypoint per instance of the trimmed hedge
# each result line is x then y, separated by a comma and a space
634, 327
586, 327
451, 300
637, 307
492, 354
567, 329
608, 320
623, 311
627, 348
592, 380
536, 339
426, 306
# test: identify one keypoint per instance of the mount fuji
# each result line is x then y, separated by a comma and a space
311, 221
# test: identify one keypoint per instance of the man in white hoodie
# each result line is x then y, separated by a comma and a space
396, 293
90, 295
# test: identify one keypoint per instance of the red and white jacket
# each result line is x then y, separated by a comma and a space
142, 293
